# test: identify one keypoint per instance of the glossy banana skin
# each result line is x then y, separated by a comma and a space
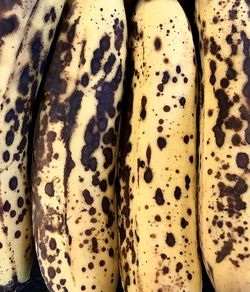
157, 161
75, 150
26, 32
224, 203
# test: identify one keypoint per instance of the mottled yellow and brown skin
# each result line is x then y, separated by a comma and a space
224, 201
75, 149
26, 31
157, 161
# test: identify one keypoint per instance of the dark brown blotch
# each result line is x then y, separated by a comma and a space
143, 108
225, 251
108, 154
87, 197
165, 77
242, 160
51, 272
85, 80
224, 105
119, 33
94, 245
148, 154
170, 239
236, 140
25, 79
177, 193
8, 25
108, 66
52, 244
49, 189
159, 197
13, 183
50, 15
157, 43
9, 138
148, 175
179, 266
36, 49
187, 182
6, 206
184, 223
161, 142
233, 123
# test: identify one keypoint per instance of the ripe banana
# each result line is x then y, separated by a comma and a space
26, 32
157, 161
224, 202
75, 150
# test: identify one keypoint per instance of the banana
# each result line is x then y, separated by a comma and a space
224, 203
26, 32
157, 161
75, 152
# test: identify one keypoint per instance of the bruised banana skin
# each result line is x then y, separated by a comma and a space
157, 173
26, 32
75, 149
224, 208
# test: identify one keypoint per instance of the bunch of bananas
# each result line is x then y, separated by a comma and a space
138, 164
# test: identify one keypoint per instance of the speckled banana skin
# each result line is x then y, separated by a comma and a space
224, 204
75, 151
157, 174
26, 32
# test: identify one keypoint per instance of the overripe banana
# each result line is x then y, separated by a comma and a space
75, 150
157, 161
224, 202
26, 32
